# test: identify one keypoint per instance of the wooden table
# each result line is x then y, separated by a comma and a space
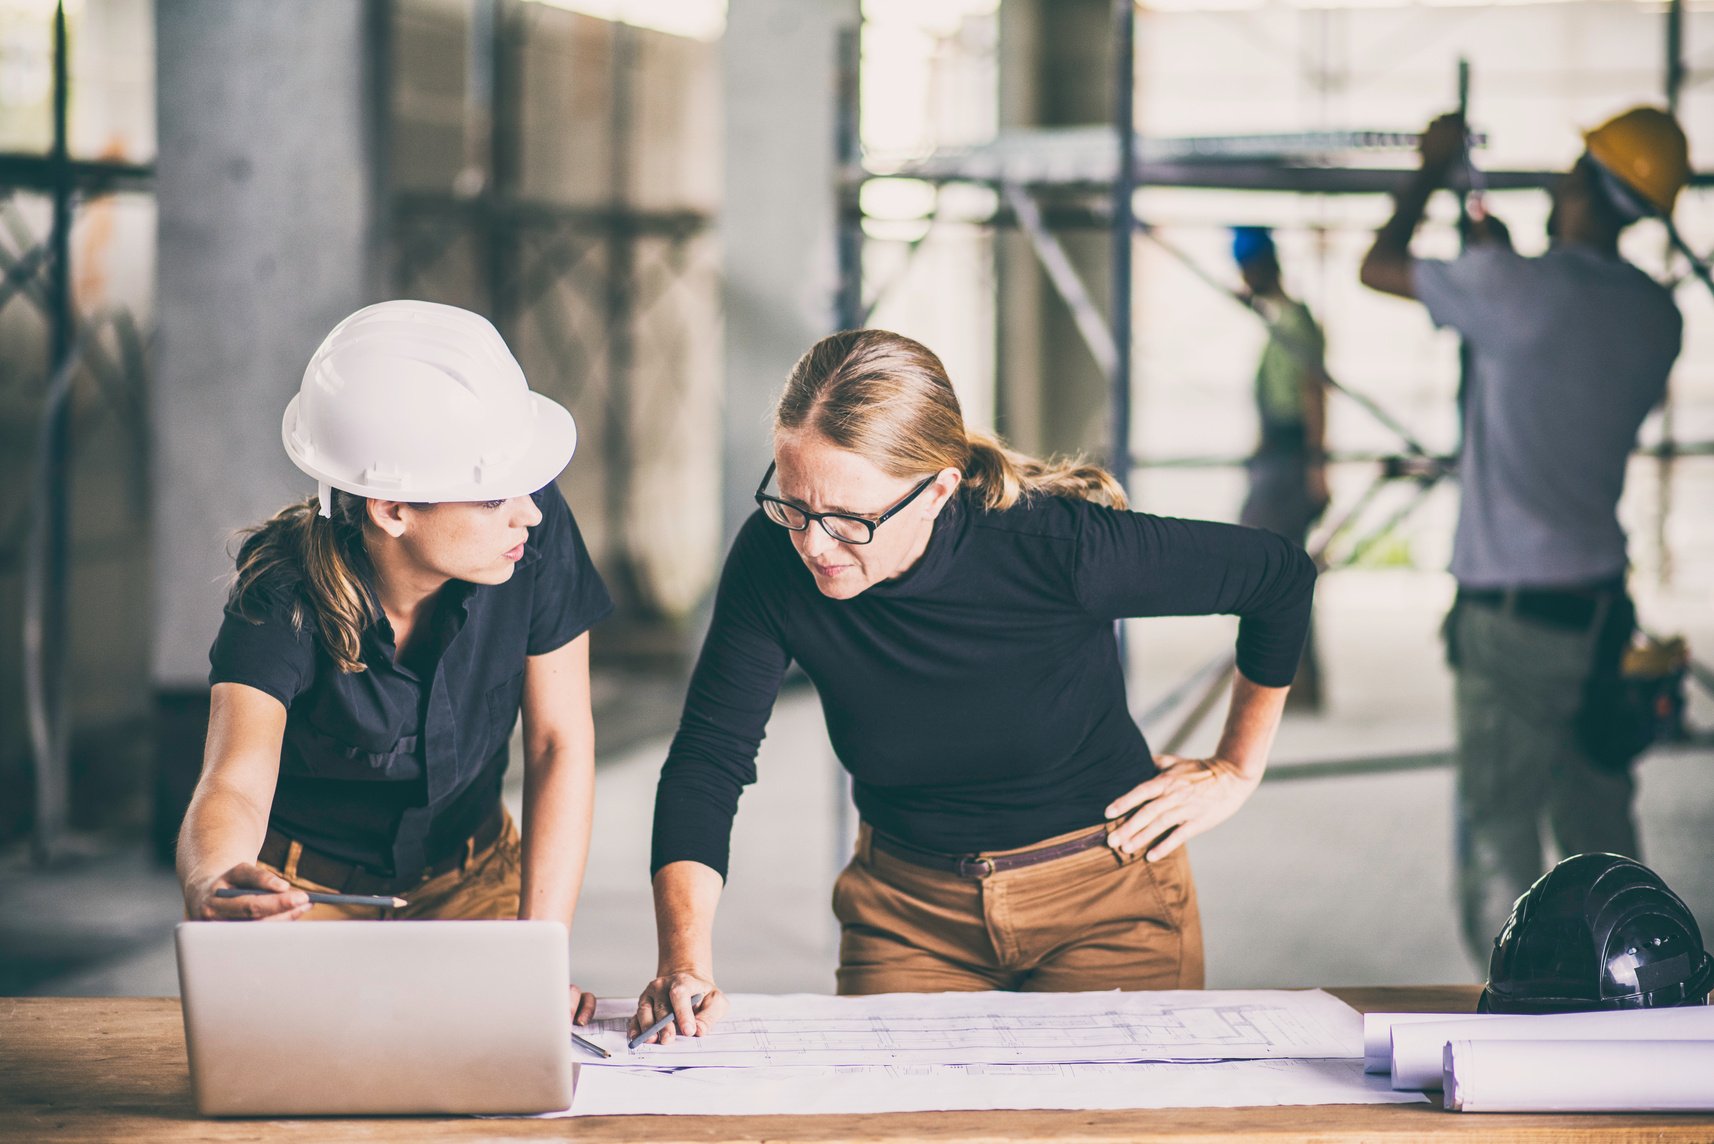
113, 1069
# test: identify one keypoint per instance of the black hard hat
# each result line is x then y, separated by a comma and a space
1597, 932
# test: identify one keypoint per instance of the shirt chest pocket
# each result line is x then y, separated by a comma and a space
314, 753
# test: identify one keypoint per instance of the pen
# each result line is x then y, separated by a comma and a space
586, 1043
318, 898
696, 999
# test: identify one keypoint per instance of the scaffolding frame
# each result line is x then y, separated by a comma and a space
526, 249
39, 272
1050, 180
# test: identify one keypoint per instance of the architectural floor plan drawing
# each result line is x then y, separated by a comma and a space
1007, 1028
922, 1088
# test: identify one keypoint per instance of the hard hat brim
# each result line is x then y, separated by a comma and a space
551, 448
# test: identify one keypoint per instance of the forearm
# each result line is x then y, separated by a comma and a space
1387, 266
1409, 205
559, 810
223, 827
1251, 723
1314, 396
686, 896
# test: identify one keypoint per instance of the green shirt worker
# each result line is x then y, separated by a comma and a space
1570, 350
381, 638
1288, 472
955, 605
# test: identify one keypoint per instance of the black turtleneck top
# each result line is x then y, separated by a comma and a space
977, 699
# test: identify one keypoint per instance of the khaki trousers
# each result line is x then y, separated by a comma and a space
1095, 920
486, 887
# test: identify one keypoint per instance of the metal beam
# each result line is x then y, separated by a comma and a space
1066, 281
26, 172
1245, 175
53, 503
1124, 187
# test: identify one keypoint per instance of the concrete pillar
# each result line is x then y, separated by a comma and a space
269, 184
1056, 70
778, 216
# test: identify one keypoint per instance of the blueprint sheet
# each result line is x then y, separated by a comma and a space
931, 1088
765, 1031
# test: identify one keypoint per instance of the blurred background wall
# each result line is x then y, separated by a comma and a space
661, 203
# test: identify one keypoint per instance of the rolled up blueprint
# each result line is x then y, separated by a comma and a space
1419, 1049
1579, 1076
1378, 1034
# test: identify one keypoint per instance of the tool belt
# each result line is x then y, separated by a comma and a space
351, 878
978, 866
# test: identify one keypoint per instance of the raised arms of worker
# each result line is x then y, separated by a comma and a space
228, 815
1387, 266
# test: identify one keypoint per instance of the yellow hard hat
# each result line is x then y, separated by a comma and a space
1644, 148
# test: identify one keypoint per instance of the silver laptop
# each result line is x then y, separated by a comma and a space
317, 1018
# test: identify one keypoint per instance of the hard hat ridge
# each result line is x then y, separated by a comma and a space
419, 401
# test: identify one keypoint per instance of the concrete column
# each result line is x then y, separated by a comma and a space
1056, 70
778, 216
269, 186
267, 233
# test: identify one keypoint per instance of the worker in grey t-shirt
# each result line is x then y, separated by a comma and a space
1569, 352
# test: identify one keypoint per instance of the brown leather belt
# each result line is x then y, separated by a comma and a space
351, 878
980, 866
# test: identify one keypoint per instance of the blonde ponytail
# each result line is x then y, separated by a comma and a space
1000, 478
328, 555
887, 399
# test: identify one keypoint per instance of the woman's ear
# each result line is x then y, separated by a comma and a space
946, 483
388, 516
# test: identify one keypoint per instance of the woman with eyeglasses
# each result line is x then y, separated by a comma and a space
954, 604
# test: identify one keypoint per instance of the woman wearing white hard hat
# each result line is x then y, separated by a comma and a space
381, 638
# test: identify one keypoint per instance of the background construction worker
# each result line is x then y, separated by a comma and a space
1288, 473
1571, 350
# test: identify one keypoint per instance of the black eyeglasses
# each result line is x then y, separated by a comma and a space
843, 527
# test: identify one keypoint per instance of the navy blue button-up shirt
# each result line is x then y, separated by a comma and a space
394, 766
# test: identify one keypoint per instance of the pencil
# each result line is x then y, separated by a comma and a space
586, 1043
696, 999
318, 898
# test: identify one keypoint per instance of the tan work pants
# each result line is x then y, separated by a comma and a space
1095, 920
486, 887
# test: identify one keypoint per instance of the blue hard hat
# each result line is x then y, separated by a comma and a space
1250, 243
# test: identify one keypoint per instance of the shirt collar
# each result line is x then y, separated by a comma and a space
937, 558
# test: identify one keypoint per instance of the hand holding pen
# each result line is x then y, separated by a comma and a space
680, 1003
248, 891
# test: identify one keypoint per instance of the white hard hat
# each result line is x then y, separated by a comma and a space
416, 401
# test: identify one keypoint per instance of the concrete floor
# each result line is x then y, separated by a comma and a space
1321, 880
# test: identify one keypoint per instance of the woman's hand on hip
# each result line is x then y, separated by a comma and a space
1188, 797
282, 903
671, 993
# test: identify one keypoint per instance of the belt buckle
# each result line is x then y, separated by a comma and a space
975, 866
